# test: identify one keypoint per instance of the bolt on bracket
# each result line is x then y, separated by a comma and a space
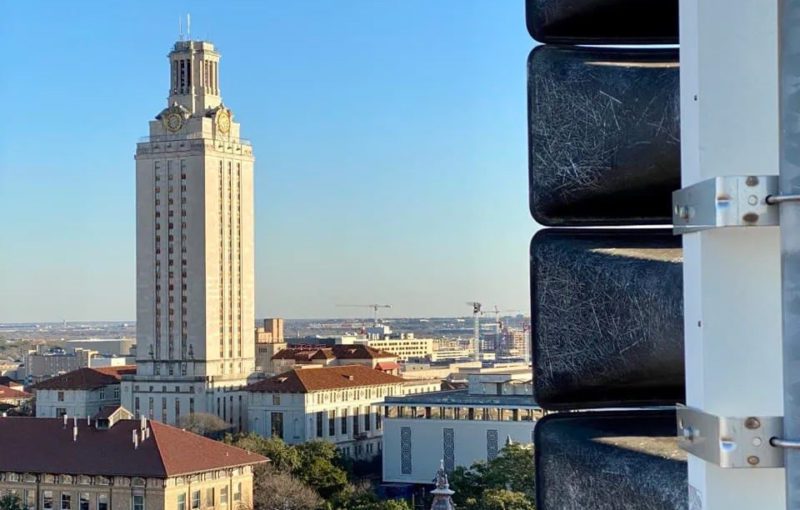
730, 442
728, 201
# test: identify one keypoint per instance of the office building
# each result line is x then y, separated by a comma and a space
104, 346
45, 362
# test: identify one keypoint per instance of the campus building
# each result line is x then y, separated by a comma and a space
194, 250
82, 393
458, 426
340, 404
120, 464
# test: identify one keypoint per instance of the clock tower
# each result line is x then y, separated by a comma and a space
194, 252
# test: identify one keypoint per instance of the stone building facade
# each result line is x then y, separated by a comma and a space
194, 250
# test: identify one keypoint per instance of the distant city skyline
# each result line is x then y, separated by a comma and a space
390, 146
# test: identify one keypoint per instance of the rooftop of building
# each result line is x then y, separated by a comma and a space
7, 392
324, 378
86, 378
305, 353
45, 445
7, 381
462, 398
98, 340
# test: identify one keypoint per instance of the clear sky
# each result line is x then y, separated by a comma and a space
390, 144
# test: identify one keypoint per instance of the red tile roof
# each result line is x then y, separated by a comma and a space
86, 378
325, 378
43, 445
323, 354
355, 351
6, 392
360, 351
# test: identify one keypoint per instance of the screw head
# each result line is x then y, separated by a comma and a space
753, 460
750, 217
752, 423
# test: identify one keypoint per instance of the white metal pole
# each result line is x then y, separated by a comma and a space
729, 126
789, 184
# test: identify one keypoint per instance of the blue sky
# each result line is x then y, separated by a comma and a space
390, 143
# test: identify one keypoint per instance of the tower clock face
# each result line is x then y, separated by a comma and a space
224, 121
173, 122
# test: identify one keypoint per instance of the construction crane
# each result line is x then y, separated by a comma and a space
476, 333
498, 326
374, 307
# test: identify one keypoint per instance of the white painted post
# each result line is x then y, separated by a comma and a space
732, 291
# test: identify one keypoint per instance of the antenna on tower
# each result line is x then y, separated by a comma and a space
180, 29
188, 26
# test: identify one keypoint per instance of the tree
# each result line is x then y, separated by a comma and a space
361, 497
318, 468
315, 465
283, 458
390, 504
512, 469
501, 499
275, 490
205, 424
11, 502
506, 482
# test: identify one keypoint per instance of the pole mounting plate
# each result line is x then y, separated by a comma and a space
728, 201
730, 442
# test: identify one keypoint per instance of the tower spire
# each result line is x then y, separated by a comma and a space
442, 495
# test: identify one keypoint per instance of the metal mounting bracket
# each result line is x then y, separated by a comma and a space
729, 201
730, 442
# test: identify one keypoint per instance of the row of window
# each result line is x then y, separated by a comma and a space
348, 395
52, 500
60, 394
343, 420
359, 449
171, 311
462, 413
182, 76
234, 300
210, 500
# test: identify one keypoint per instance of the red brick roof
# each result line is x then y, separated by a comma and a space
6, 392
43, 445
325, 378
86, 378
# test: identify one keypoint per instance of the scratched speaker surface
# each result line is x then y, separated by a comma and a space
604, 135
625, 460
607, 309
